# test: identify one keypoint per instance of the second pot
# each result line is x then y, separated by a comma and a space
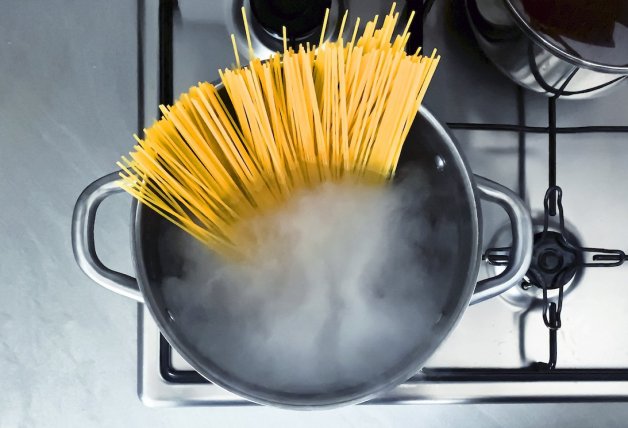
575, 49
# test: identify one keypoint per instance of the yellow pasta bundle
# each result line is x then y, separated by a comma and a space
321, 113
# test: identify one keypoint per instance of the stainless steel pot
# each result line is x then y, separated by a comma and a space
535, 60
454, 208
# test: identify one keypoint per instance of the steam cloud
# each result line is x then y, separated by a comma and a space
334, 294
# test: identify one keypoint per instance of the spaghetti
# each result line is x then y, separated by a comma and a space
300, 118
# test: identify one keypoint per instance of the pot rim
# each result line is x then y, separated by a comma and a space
556, 50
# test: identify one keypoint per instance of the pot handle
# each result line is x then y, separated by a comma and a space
522, 239
83, 220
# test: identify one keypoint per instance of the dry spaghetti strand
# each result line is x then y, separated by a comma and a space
219, 156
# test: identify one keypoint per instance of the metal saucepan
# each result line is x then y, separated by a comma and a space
578, 49
453, 246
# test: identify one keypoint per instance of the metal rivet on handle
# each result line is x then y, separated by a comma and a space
440, 163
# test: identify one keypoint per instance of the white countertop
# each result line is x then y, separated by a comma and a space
68, 347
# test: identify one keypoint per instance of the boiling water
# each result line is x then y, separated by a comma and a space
338, 290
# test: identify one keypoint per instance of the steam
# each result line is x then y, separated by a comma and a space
334, 291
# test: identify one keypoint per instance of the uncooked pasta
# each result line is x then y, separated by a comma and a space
223, 153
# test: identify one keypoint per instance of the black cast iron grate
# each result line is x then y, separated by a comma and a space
555, 259
553, 206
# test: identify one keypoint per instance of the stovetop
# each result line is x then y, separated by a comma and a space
493, 354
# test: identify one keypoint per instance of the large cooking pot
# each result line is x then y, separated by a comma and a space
575, 48
453, 247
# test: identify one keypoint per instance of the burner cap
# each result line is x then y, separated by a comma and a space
551, 256
554, 261
302, 18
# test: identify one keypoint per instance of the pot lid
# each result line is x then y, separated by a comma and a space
588, 33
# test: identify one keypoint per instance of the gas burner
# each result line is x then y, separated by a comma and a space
550, 257
555, 262
303, 21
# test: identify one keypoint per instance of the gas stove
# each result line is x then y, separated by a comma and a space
564, 341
